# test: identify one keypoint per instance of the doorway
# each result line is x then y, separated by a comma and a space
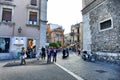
31, 48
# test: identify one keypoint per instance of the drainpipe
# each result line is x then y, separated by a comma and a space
39, 23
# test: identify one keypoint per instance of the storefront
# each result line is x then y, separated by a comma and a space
11, 46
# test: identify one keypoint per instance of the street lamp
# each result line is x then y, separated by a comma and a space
19, 30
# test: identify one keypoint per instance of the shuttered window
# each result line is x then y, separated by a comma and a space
7, 15
33, 18
34, 2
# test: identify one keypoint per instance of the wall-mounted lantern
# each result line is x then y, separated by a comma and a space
19, 30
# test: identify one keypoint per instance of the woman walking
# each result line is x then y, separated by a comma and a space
23, 56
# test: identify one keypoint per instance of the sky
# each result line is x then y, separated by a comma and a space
64, 13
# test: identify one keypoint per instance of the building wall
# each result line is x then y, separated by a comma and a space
86, 33
43, 19
81, 35
77, 35
102, 40
53, 30
86, 2
20, 17
106, 40
55, 38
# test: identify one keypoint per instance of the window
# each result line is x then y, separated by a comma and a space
34, 2
4, 45
7, 15
33, 18
105, 24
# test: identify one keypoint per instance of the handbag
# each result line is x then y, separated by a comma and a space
24, 56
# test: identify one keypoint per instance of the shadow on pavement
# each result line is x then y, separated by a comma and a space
34, 62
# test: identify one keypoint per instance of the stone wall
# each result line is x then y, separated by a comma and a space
106, 40
87, 2
43, 21
108, 57
86, 33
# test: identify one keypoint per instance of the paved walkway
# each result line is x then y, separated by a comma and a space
74, 65
89, 70
34, 70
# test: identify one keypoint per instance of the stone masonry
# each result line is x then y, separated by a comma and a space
105, 40
105, 43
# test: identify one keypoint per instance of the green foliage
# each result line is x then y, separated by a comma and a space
59, 43
55, 44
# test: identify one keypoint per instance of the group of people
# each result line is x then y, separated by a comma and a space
51, 53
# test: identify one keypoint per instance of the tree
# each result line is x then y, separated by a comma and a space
55, 44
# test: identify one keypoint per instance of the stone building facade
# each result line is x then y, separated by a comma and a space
101, 27
102, 18
22, 24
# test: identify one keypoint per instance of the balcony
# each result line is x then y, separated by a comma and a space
10, 3
32, 7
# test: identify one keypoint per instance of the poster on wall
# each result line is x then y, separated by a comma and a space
4, 45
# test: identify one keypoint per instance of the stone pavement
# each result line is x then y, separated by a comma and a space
89, 70
34, 70
74, 65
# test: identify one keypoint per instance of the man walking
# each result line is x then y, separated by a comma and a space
43, 53
54, 54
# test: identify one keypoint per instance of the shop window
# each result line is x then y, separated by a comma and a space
34, 2
33, 18
105, 25
4, 45
7, 15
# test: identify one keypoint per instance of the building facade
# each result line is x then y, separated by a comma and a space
67, 40
76, 35
22, 24
101, 25
55, 33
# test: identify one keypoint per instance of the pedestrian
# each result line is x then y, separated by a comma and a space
43, 53
64, 53
79, 51
54, 54
31, 53
49, 55
67, 51
38, 55
23, 56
